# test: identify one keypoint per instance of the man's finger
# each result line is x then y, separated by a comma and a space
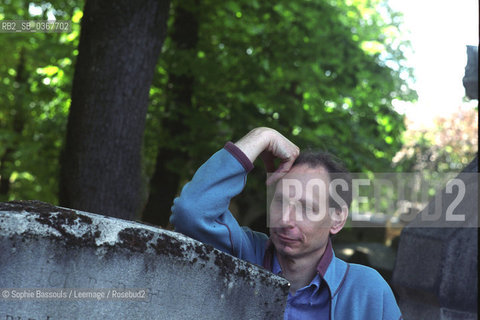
285, 166
282, 170
274, 177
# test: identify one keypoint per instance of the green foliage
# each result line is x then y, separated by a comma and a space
447, 147
324, 73
36, 71
428, 159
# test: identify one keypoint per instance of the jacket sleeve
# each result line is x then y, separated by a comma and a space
201, 211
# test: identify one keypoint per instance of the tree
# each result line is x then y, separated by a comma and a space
120, 42
449, 146
179, 95
35, 72
18, 123
323, 73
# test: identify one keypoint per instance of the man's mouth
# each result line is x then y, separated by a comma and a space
284, 238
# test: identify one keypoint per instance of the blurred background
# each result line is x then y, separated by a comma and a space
377, 83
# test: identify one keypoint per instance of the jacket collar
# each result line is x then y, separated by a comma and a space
332, 270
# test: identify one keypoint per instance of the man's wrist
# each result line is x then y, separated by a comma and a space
239, 155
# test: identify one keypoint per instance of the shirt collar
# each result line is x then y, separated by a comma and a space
270, 262
277, 269
269, 257
326, 259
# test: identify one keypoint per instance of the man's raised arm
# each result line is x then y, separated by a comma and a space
201, 210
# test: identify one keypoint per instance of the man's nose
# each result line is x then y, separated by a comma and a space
289, 216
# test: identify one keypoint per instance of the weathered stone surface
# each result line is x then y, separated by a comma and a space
42, 246
435, 274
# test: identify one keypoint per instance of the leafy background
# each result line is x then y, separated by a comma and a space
324, 73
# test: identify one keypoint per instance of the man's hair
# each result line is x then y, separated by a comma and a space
335, 168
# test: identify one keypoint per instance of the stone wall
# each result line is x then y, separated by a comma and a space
42, 246
436, 270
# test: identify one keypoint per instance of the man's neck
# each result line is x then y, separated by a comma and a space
299, 271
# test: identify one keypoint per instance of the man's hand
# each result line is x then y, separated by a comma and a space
269, 144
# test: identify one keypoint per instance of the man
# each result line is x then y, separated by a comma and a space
299, 247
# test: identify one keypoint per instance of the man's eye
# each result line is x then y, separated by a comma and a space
277, 201
311, 209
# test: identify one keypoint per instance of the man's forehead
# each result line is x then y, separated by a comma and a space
304, 177
304, 174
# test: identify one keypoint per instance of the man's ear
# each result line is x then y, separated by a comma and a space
338, 217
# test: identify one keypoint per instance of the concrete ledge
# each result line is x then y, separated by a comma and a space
43, 246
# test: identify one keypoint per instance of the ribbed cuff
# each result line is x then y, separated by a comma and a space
239, 155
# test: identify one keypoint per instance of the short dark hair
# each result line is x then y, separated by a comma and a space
335, 168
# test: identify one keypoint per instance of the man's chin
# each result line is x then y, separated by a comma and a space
286, 248
288, 252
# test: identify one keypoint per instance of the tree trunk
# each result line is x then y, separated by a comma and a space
165, 183
119, 46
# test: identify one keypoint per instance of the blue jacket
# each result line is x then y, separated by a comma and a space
201, 212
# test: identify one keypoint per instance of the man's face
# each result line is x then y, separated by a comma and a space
299, 217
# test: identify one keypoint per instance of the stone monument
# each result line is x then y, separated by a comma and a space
57, 263
470, 79
436, 273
